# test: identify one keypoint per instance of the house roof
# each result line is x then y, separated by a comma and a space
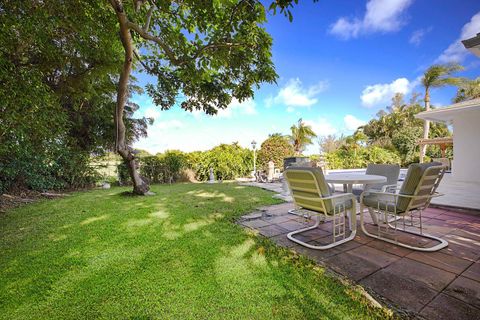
447, 114
473, 44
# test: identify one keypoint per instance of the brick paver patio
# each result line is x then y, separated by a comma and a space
437, 285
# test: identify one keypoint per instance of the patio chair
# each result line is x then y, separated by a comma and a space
389, 171
388, 209
311, 193
444, 161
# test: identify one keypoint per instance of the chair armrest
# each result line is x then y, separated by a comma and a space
335, 196
340, 195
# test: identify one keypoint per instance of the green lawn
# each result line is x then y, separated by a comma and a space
175, 255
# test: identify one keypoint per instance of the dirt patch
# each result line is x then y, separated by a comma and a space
19, 197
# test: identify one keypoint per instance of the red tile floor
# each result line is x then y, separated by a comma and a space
434, 285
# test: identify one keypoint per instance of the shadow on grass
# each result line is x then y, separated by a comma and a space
173, 255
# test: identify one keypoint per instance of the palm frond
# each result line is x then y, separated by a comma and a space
440, 75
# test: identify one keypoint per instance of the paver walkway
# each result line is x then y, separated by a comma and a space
438, 285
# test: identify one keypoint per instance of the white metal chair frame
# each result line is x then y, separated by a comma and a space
337, 218
387, 224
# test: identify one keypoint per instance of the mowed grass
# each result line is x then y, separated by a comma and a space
175, 255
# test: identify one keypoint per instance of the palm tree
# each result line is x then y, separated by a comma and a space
468, 89
354, 141
436, 76
301, 136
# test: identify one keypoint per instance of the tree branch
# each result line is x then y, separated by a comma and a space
215, 45
149, 17
147, 36
139, 58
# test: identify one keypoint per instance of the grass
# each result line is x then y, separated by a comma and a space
175, 255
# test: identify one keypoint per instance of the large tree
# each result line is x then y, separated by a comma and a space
203, 54
436, 76
59, 68
275, 148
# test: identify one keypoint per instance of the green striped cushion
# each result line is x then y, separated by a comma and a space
414, 174
302, 184
384, 202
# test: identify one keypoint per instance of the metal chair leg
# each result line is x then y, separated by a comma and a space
328, 246
443, 243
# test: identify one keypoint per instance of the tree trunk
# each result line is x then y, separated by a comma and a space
426, 125
139, 185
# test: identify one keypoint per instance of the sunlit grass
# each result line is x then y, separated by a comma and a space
175, 255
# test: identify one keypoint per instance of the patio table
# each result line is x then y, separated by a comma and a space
349, 179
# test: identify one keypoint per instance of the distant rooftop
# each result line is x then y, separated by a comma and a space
446, 114
473, 44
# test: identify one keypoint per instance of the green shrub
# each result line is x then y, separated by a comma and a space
405, 141
229, 161
163, 168
374, 154
345, 158
153, 169
174, 162
275, 149
123, 174
55, 166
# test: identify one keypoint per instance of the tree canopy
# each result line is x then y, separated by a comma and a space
397, 129
202, 53
468, 89
275, 148
58, 71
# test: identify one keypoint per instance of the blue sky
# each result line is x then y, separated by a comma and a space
338, 62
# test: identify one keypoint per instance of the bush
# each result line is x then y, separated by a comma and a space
123, 174
174, 162
275, 149
153, 169
374, 154
229, 161
163, 168
405, 141
55, 166
345, 158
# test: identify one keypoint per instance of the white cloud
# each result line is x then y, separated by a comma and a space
456, 52
293, 94
247, 107
290, 109
346, 29
417, 36
322, 127
380, 16
352, 123
167, 125
268, 102
382, 93
200, 136
197, 114
152, 112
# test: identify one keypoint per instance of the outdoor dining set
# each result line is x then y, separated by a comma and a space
393, 209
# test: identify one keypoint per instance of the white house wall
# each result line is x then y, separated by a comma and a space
466, 146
